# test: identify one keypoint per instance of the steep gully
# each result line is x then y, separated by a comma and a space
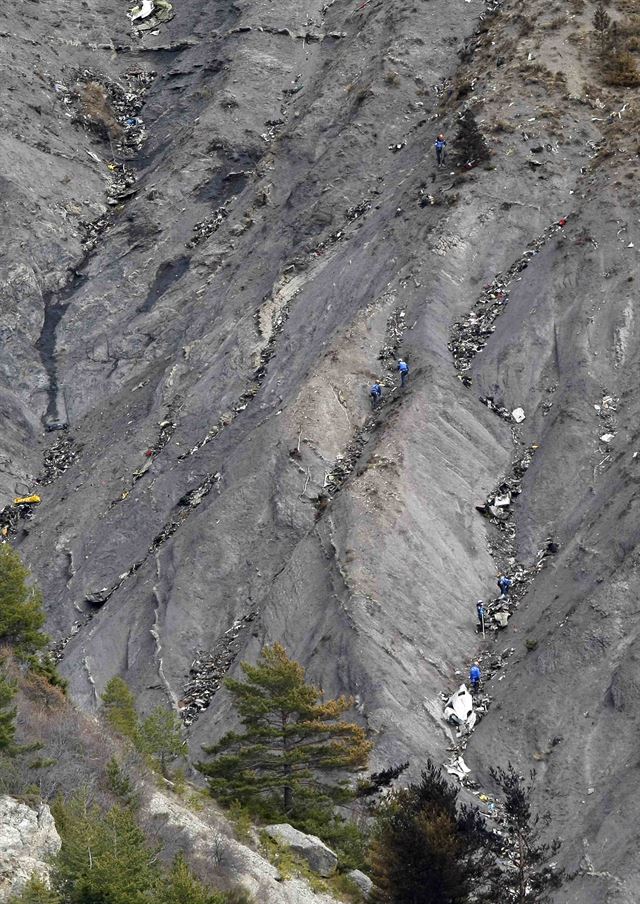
468, 337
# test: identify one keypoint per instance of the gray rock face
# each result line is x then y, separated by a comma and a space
27, 839
363, 882
320, 858
221, 295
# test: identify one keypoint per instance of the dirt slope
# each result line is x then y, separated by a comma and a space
269, 232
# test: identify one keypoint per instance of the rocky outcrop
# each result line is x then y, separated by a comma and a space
208, 838
28, 838
363, 882
320, 858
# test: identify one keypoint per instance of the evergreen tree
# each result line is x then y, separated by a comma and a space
7, 713
36, 891
471, 147
160, 736
45, 666
291, 742
104, 858
529, 877
426, 850
120, 783
120, 708
602, 24
21, 613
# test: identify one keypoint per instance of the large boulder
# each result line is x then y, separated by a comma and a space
320, 858
363, 882
28, 838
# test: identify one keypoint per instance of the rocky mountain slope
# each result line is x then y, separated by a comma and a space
216, 234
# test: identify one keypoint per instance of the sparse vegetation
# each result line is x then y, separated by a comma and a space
106, 857
7, 712
615, 43
529, 876
601, 25
159, 736
120, 708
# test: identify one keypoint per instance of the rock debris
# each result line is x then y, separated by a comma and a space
209, 668
471, 334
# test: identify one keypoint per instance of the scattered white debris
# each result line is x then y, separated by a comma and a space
459, 768
518, 415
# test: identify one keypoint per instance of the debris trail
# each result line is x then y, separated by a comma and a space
468, 337
58, 457
471, 334
167, 428
346, 462
209, 668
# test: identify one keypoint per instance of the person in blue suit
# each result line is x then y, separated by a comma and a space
441, 149
376, 395
474, 676
403, 367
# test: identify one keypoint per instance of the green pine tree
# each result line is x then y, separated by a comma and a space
120, 784
104, 858
426, 850
21, 613
120, 708
160, 736
291, 743
470, 146
7, 713
45, 666
36, 891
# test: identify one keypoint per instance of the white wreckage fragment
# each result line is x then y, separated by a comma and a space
459, 708
162, 10
458, 768
142, 11
518, 415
